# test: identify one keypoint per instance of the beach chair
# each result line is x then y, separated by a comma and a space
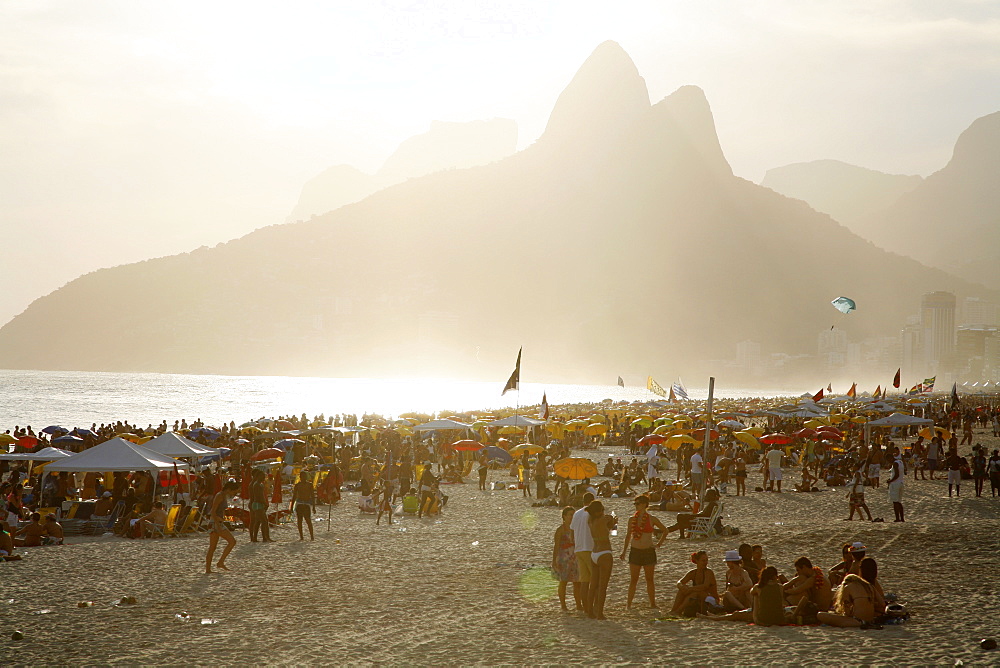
191, 521
102, 525
704, 527
47, 511
169, 527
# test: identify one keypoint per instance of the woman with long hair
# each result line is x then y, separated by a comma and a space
696, 585
857, 601
600, 527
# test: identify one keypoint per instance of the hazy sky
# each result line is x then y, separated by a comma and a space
134, 129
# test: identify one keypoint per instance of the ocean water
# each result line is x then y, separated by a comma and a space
72, 398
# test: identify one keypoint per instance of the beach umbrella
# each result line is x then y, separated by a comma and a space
700, 434
511, 429
747, 438
27, 442
530, 448
816, 423
829, 436
575, 468
595, 429
284, 424
805, 432
499, 454
642, 422
85, 432
55, 429
931, 432
67, 439
269, 453
677, 440
286, 443
776, 439
651, 439
467, 445
732, 424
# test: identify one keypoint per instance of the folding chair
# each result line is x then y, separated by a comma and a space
169, 527
191, 521
704, 527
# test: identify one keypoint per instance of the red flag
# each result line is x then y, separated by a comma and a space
878, 392
895, 381
853, 392
673, 397
543, 413
818, 395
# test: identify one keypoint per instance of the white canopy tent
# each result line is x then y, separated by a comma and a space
895, 420
434, 425
116, 455
44, 455
175, 445
516, 421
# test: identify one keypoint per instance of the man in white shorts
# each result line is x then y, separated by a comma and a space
773, 457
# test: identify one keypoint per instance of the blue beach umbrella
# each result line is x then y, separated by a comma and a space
286, 443
85, 432
55, 429
499, 454
67, 439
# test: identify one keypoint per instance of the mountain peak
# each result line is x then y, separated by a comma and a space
606, 92
977, 146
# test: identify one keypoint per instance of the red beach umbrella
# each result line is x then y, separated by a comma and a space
829, 428
700, 434
776, 439
268, 453
829, 436
805, 432
467, 445
27, 442
652, 439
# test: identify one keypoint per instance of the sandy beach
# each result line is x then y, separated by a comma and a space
458, 589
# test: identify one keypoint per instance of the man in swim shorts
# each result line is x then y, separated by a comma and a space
584, 544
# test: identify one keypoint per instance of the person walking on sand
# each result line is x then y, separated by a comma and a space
219, 530
993, 468
773, 458
303, 500
896, 484
642, 556
856, 496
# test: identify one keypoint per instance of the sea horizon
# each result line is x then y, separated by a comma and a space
81, 398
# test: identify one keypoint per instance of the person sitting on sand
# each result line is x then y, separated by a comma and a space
609, 469
695, 588
54, 529
600, 526
838, 572
856, 496
411, 502
6, 543
856, 602
685, 520
808, 479
767, 604
33, 533
736, 596
858, 551
809, 591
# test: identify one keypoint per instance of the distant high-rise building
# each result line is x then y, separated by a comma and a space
748, 358
832, 348
937, 322
978, 312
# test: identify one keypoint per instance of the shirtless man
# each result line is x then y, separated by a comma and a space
33, 533
156, 517
54, 529
809, 591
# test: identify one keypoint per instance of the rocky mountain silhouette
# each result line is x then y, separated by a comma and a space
846, 192
445, 146
620, 242
952, 220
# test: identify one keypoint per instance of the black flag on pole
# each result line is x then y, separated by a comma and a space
514, 381
955, 401
621, 383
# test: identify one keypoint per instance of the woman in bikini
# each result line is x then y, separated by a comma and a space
857, 602
600, 527
767, 605
642, 556
696, 585
564, 559
219, 504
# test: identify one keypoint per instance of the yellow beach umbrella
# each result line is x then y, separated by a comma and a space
927, 432
575, 468
817, 422
662, 429
859, 419
530, 448
748, 438
595, 429
677, 440
755, 431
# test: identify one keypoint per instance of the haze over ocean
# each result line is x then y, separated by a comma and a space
76, 398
